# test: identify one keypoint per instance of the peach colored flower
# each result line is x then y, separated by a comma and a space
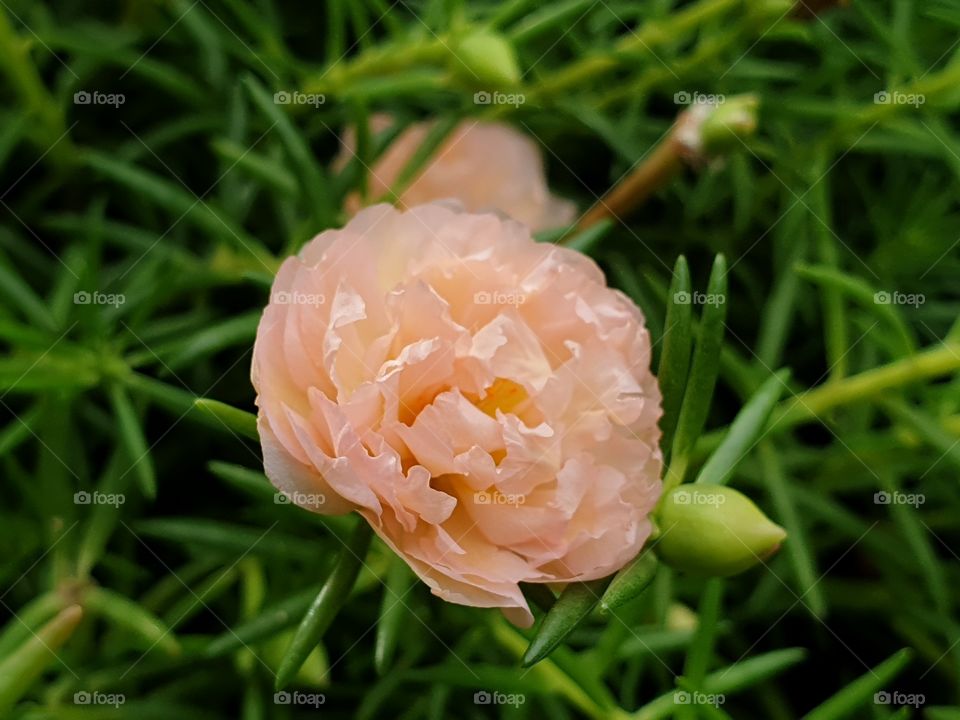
483, 400
486, 166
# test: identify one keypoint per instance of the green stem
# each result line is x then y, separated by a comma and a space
554, 677
653, 33
815, 403
24, 76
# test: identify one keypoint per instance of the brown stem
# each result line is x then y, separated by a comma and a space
653, 173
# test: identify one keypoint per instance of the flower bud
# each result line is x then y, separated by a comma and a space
708, 129
714, 530
489, 59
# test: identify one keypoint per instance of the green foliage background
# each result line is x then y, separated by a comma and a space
183, 198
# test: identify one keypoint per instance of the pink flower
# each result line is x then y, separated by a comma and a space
486, 166
483, 400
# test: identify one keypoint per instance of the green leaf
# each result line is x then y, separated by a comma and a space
32, 373
21, 296
860, 691
237, 330
698, 393
393, 613
700, 653
131, 616
173, 399
314, 182
631, 581
260, 167
538, 594
28, 619
798, 549
548, 17
18, 429
251, 482
104, 516
20, 669
929, 430
179, 202
677, 342
864, 294
327, 604
230, 539
197, 599
132, 437
267, 624
571, 608
745, 432
230, 418
728, 680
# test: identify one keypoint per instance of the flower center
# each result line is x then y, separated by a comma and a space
505, 395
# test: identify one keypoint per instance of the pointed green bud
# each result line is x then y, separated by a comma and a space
714, 530
487, 59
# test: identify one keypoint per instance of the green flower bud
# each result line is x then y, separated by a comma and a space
729, 123
714, 127
487, 59
714, 530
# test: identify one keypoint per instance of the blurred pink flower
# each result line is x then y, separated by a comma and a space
486, 166
483, 400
